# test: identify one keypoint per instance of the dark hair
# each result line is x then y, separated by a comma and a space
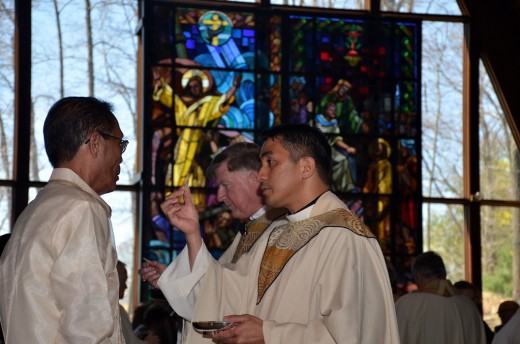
69, 123
239, 156
302, 140
429, 264
120, 266
462, 285
3, 241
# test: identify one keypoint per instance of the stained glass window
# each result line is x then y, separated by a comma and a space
215, 77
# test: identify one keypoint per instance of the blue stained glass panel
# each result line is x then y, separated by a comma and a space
214, 29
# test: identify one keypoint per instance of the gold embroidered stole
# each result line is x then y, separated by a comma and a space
286, 240
254, 230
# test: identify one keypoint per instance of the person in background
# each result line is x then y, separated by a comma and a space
58, 271
219, 230
3, 242
321, 277
126, 325
157, 325
510, 332
506, 310
4, 238
435, 313
235, 170
469, 290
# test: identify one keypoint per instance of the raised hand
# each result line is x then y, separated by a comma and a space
181, 212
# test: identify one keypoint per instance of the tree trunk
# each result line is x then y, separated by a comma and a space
516, 226
90, 49
34, 167
60, 46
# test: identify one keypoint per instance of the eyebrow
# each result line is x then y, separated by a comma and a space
263, 154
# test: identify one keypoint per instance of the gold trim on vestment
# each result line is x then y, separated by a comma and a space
286, 240
254, 230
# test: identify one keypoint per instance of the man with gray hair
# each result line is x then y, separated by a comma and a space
235, 170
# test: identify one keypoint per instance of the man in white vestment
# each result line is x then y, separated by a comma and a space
59, 282
235, 170
435, 313
320, 278
510, 333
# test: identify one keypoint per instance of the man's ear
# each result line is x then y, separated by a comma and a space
309, 167
93, 144
252, 178
418, 279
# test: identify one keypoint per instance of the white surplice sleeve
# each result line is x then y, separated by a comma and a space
180, 285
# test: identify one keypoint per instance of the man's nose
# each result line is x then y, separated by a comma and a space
261, 176
220, 194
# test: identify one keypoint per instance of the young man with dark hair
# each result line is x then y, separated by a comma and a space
319, 278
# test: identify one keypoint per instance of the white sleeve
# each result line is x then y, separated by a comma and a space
180, 285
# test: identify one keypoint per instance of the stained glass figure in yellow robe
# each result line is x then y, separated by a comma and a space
196, 109
379, 181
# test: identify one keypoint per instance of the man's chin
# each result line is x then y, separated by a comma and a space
107, 190
270, 200
237, 215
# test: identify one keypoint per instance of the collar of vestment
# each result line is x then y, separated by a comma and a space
243, 226
68, 176
254, 230
258, 213
442, 287
308, 205
286, 240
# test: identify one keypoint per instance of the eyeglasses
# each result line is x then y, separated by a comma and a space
122, 143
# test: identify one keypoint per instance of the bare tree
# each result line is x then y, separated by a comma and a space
90, 48
397, 6
60, 45
499, 180
516, 228
7, 21
442, 171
